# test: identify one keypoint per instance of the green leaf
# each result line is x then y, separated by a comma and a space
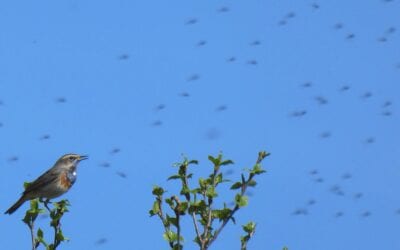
185, 190
183, 206
156, 208
241, 200
252, 183
174, 177
203, 183
158, 191
249, 227
195, 191
226, 162
172, 220
236, 185
211, 193
262, 155
170, 236
218, 179
221, 214
193, 162
40, 233
257, 169
215, 161
197, 207
178, 247
169, 201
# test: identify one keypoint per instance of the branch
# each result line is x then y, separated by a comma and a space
236, 207
209, 217
163, 220
31, 228
177, 214
193, 215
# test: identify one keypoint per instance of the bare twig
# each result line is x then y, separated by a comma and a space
163, 220
32, 229
209, 217
233, 211
193, 215
196, 227
46, 204
177, 214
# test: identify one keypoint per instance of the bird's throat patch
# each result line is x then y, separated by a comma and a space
64, 181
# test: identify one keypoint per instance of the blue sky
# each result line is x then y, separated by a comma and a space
314, 83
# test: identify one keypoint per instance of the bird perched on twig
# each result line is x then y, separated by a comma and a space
53, 183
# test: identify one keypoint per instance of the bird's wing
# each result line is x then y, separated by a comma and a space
42, 181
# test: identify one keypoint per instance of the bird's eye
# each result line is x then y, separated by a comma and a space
71, 158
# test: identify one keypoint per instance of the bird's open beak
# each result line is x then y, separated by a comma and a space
83, 157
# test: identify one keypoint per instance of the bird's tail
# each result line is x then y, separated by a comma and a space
16, 205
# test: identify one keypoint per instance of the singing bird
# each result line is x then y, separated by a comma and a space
55, 182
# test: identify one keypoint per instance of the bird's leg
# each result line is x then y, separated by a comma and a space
46, 202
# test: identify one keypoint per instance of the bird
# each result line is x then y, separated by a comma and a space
45, 137
105, 164
115, 151
339, 214
290, 14
282, 22
306, 84
346, 176
315, 6
184, 94
221, 108
191, 21
366, 214
201, 43
300, 211
53, 183
231, 59
252, 62
223, 9
123, 56
382, 39
13, 159
325, 134
101, 241
384, 113
358, 195
350, 36
390, 30
255, 43
319, 180
61, 100
338, 26
321, 100
157, 123
193, 77
121, 174
366, 95
369, 140
311, 202
386, 104
344, 88
298, 113
213, 134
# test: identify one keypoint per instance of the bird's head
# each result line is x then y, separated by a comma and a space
71, 160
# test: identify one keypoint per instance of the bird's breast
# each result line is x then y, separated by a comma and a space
67, 179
